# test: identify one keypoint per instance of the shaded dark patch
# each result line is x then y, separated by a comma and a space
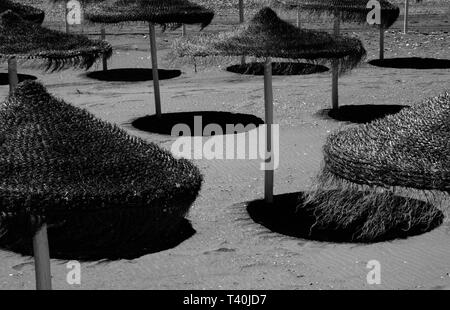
131, 75
22, 77
360, 114
167, 121
278, 68
412, 63
290, 216
100, 235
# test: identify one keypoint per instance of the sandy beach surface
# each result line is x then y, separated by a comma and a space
229, 250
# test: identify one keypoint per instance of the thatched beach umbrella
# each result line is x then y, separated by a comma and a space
52, 49
27, 12
406, 153
354, 11
59, 161
267, 36
168, 13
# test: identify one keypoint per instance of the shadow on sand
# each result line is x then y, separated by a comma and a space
93, 236
168, 121
285, 218
22, 77
412, 63
131, 75
360, 114
278, 68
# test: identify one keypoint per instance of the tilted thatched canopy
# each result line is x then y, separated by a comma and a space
410, 149
27, 12
355, 11
368, 167
171, 13
27, 40
266, 35
57, 157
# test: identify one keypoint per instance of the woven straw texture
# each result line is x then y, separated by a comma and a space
172, 13
410, 149
58, 158
266, 35
354, 11
29, 41
25, 11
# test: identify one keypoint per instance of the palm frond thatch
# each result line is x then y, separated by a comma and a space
26, 40
172, 13
365, 166
354, 11
27, 12
55, 157
266, 35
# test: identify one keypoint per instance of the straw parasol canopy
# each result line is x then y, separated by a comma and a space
28, 41
168, 13
59, 162
368, 166
410, 149
172, 13
27, 12
267, 36
354, 11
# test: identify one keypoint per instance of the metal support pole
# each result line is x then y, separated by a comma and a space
155, 70
41, 255
12, 74
268, 101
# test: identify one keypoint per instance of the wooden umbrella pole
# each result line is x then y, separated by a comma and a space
298, 18
335, 65
104, 59
183, 30
268, 100
66, 17
155, 70
12, 74
405, 22
41, 255
381, 41
241, 21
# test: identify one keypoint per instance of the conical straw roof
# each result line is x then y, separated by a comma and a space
171, 13
266, 35
355, 11
27, 40
410, 149
27, 12
55, 157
